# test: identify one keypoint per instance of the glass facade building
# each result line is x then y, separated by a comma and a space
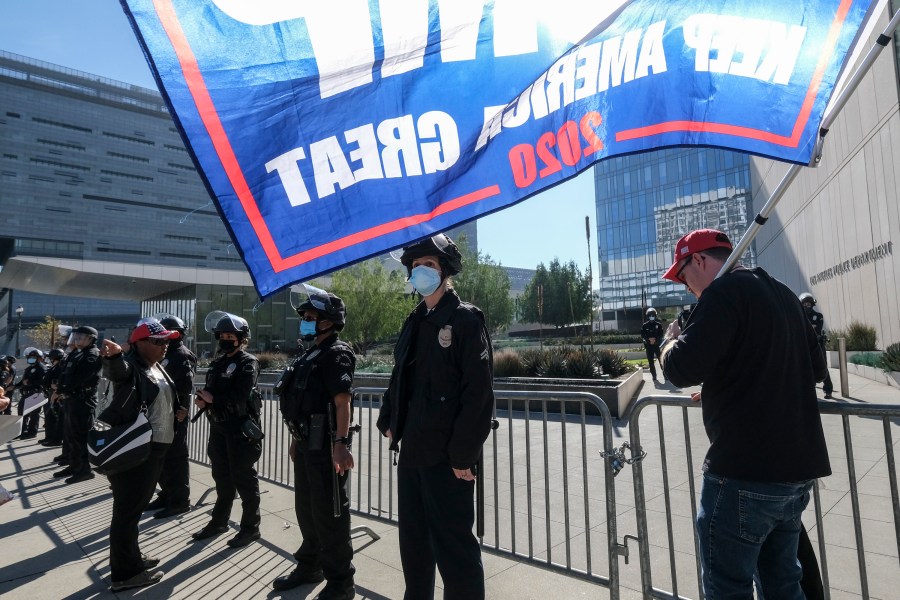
645, 203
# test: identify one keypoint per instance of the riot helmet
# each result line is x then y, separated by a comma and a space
807, 298
651, 313
33, 355
218, 322
439, 245
171, 322
56, 354
327, 305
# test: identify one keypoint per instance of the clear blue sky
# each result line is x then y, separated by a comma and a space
94, 36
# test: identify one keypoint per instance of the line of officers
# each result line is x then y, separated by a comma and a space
439, 402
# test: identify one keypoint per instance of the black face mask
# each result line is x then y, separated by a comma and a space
227, 346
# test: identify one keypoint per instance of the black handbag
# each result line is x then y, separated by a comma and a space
121, 447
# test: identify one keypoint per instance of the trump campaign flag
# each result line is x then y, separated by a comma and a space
330, 132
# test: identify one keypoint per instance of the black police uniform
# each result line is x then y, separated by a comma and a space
174, 480
818, 323
231, 380
683, 318
53, 412
32, 383
307, 389
78, 383
652, 328
439, 402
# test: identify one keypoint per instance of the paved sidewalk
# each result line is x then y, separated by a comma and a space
55, 537
55, 546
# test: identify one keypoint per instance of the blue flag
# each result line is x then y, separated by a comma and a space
330, 132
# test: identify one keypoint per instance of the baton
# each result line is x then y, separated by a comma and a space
198, 413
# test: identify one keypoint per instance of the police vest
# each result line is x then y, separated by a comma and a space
300, 388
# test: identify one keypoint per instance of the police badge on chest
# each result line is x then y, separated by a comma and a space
229, 370
445, 336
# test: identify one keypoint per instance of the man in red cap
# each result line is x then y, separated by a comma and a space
758, 360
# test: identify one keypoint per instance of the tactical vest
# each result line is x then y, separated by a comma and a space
300, 393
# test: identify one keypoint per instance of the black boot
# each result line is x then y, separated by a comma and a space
334, 590
244, 537
299, 576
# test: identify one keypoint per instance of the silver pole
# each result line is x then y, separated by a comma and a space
761, 218
842, 364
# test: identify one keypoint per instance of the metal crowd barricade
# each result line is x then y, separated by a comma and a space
666, 505
549, 497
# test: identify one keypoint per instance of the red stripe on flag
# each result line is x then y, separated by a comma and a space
791, 141
210, 117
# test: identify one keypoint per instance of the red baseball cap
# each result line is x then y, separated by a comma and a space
151, 328
696, 241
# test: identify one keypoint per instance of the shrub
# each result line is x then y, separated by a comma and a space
868, 359
272, 361
532, 361
890, 360
611, 363
508, 363
582, 364
859, 336
617, 339
375, 363
554, 363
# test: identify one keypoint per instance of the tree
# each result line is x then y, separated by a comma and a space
375, 300
46, 334
558, 296
485, 284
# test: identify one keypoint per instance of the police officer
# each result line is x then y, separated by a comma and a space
439, 403
235, 438
78, 390
652, 334
174, 479
53, 419
315, 393
32, 383
818, 323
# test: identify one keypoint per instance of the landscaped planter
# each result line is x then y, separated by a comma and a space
617, 394
834, 356
871, 373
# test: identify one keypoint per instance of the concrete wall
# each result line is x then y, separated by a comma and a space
845, 208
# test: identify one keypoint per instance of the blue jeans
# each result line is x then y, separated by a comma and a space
747, 527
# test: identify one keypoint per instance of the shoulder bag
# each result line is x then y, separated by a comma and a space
121, 447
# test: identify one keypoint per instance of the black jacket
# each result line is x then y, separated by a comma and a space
32, 380
231, 379
81, 375
309, 385
133, 387
440, 397
652, 329
750, 345
181, 364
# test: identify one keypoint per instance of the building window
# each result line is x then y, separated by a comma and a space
128, 138
61, 125
140, 159
32, 247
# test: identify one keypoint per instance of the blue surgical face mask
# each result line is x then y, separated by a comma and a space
308, 330
31, 361
425, 279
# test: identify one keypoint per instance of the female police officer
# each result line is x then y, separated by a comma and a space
235, 439
439, 402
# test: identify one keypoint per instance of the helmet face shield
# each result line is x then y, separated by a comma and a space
219, 321
79, 340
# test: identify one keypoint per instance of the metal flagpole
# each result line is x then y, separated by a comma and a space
763, 215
